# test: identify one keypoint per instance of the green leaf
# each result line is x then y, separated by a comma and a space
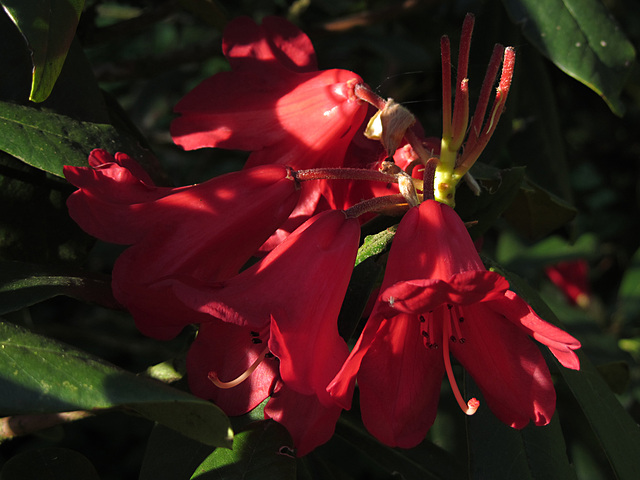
615, 429
48, 28
48, 140
537, 140
171, 456
427, 461
536, 212
628, 307
528, 260
582, 39
261, 451
498, 189
24, 284
39, 375
375, 244
53, 463
498, 451
365, 278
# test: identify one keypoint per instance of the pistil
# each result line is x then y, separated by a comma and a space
470, 407
213, 376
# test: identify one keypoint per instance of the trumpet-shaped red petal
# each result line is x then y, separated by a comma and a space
274, 102
289, 303
444, 299
296, 291
399, 383
202, 232
309, 422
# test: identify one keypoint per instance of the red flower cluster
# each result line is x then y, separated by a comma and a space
271, 330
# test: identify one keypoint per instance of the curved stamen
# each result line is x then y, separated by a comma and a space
213, 377
472, 405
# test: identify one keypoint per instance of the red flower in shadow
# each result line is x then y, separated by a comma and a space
285, 306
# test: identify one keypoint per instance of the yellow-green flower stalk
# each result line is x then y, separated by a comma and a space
454, 165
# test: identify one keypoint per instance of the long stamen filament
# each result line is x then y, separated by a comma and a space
472, 405
213, 377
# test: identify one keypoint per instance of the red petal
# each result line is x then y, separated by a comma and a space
507, 366
309, 422
227, 350
423, 296
447, 249
277, 41
342, 386
561, 344
399, 382
292, 47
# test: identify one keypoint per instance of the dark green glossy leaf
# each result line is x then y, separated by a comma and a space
617, 376
582, 39
171, 456
615, 429
498, 189
537, 140
48, 141
51, 463
500, 452
261, 451
48, 28
39, 375
24, 284
536, 212
427, 461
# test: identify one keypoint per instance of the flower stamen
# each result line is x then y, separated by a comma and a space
213, 377
470, 407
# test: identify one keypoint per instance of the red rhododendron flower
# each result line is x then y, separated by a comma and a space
274, 103
438, 300
278, 105
204, 232
286, 305
572, 278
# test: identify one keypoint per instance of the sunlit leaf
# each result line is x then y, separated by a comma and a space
375, 244
23, 284
39, 375
48, 28
261, 451
48, 141
582, 39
